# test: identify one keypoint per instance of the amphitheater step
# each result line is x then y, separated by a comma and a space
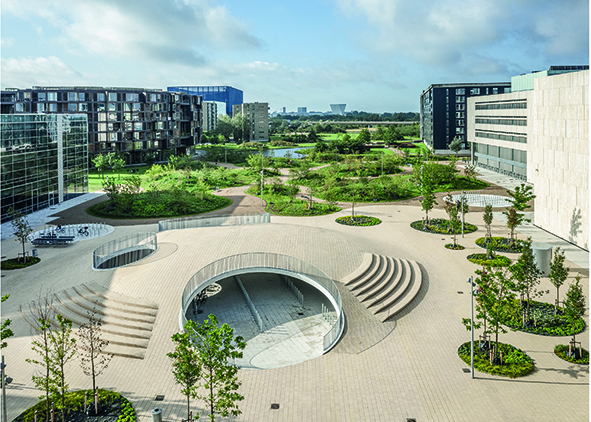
128, 333
385, 285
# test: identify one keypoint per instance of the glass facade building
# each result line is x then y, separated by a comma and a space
44, 160
223, 94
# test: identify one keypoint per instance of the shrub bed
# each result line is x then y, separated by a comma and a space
453, 247
113, 407
545, 323
298, 207
561, 350
501, 244
482, 259
516, 363
16, 263
160, 204
441, 226
358, 220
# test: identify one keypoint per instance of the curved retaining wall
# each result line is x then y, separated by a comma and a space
272, 263
124, 251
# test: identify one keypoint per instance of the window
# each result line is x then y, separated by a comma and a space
459, 130
100, 107
128, 126
100, 96
41, 107
82, 107
127, 107
52, 96
113, 137
495, 91
112, 107
153, 98
475, 91
81, 96
460, 114
72, 96
137, 126
460, 99
136, 107
112, 96
102, 127
72, 107
460, 106
42, 96
460, 91
460, 122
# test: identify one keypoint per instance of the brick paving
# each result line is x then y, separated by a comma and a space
405, 368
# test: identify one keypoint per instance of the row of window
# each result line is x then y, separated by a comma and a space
502, 136
509, 154
501, 106
496, 121
476, 91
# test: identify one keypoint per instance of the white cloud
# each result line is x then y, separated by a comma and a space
458, 33
6, 42
25, 72
179, 31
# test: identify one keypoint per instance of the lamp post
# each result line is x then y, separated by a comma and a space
382, 163
471, 327
463, 201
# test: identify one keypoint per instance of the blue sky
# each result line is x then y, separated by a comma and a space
373, 55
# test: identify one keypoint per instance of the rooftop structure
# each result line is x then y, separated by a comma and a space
225, 94
338, 109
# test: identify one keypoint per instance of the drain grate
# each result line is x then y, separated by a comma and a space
411, 420
460, 293
159, 397
300, 313
466, 370
274, 406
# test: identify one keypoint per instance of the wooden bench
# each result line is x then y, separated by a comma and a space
52, 240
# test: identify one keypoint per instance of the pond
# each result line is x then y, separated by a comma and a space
279, 152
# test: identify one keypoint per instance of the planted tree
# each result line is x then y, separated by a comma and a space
5, 330
186, 366
495, 302
21, 228
216, 347
452, 212
470, 172
488, 218
61, 351
456, 144
558, 273
364, 136
463, 207
424, 177
118, 164
90, 348
101, 162
527, 278
514, 219
522, 195
574, 305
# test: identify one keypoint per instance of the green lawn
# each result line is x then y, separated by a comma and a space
95, 180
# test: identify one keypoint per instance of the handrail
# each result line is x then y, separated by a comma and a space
212, 221
118, 247
283, 264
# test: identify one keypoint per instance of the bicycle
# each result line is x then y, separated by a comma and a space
84, 231
60, 229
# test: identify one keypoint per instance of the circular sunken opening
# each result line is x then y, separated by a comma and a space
124, 251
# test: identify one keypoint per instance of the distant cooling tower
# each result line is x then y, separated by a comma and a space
338, 109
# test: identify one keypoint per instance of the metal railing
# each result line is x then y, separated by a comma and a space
253, 310
124, 251
220, 220
281, 264
294, 290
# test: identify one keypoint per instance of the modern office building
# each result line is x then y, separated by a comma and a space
338, 109
302, 111
256, 122
44, 160
541, 136
525, 81
444, 114
209, 116
133, 121
224, 94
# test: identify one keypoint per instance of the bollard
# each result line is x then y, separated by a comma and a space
157, 414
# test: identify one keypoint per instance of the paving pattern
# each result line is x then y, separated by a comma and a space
403, 368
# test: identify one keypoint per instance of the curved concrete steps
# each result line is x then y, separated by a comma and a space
127, 322
385, 285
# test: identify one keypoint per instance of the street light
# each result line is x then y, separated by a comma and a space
470, 280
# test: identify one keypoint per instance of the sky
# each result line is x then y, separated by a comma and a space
373, 55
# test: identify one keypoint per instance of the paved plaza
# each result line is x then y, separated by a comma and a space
403, 368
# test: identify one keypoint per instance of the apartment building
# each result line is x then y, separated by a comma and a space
209, 116
133, 121
256, 120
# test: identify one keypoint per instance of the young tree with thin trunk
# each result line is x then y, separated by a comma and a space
514, 219
574, 305
558, 273
43, 312
488, 219
62, 347
217, 348
186, 367
21, 228
456, 145
5, 330
527, 277
90, 348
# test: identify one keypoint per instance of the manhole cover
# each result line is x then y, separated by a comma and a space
460, 293
274, 406
159, 397
411, 420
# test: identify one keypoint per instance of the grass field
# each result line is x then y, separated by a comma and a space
95, 180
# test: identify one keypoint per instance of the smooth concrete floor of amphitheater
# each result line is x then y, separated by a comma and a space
403, 368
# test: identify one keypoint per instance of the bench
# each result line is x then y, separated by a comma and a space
52, 240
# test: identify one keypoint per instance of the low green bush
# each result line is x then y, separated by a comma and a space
358, 220
453, 247
545, 322
561, 350
16, 263
482, 259
501, 244
441, 226
516, 363
118, 407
